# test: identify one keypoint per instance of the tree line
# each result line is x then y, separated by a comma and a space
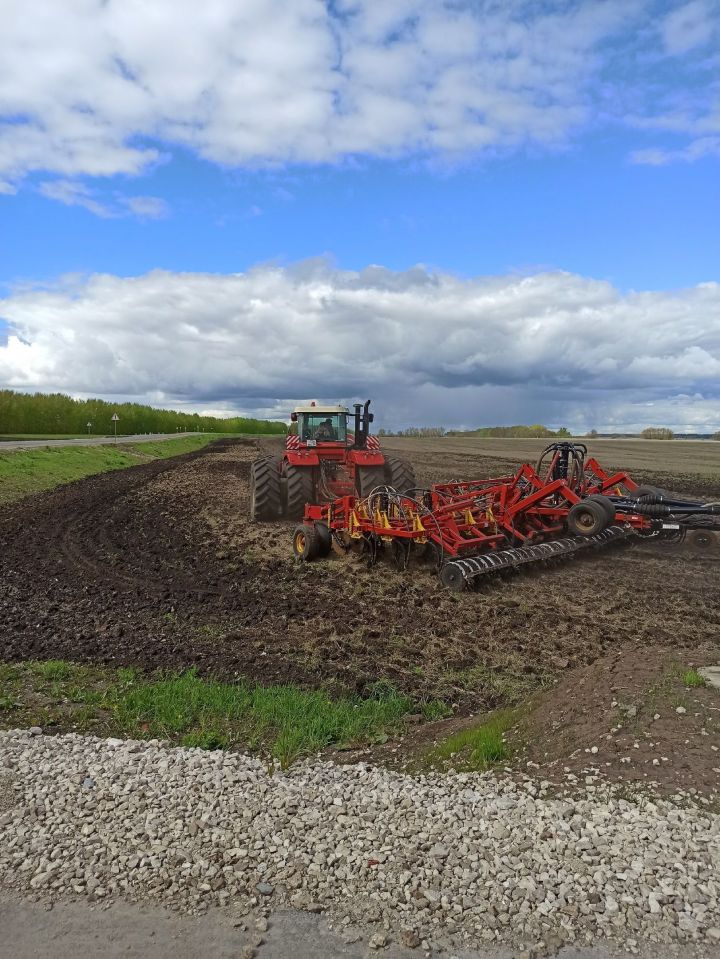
536, 430
51, 414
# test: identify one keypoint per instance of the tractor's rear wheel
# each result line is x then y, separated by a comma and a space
265, 499
299, 490
399, 474
587, 518
368, 477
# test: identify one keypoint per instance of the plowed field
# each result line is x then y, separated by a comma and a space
158, 566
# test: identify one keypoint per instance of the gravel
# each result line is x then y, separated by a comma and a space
478, 857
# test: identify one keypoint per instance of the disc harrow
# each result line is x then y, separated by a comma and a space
563, 504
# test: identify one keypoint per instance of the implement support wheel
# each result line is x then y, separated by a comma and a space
306, 543
607, 505
587, 518
702, 539
324, 537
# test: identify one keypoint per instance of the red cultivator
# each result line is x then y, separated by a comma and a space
564, 504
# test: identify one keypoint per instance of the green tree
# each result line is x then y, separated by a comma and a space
54, 413
657, 433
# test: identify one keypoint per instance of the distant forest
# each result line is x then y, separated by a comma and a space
49, 414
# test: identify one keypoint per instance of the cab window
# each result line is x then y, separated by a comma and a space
323, 427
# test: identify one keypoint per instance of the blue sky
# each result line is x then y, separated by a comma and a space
521, 173
585, 209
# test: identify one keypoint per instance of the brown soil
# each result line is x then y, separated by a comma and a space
157, 566
625, 706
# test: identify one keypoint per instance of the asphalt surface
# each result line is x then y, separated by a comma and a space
91, 441
66, 930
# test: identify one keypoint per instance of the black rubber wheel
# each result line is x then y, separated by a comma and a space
367, 478
606, 504
325, 540
399, 474
648, 491
265, 499
306, 542
451, 577
299, 490
429, 553
702, 539
587, 518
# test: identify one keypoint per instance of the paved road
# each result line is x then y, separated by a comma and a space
90, 441
125, 930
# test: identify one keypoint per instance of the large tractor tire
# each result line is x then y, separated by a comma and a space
399, 474
368, 477
299, 490
265, 499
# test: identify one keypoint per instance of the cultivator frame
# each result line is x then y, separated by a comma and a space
563, 504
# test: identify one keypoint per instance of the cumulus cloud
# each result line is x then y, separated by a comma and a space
429, 347
100, 87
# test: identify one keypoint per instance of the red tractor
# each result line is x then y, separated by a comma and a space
332, 454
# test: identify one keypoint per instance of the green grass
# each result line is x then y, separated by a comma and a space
51, 669
283, 722
477, 748
30, 471
692, 679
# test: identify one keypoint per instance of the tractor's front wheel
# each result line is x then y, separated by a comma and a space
265, 499
299, 490
399, 474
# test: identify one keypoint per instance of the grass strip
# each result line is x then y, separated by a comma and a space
280, 721
477, 748
23, 472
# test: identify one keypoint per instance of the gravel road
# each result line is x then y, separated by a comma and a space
485, 861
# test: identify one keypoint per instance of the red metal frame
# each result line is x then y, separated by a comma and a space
468, 518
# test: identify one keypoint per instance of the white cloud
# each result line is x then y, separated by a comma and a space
145, 207
689, 26
696, 150
93, 86
428, 347
73, 193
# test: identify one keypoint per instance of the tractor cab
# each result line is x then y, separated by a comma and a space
321, 425
315, 425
